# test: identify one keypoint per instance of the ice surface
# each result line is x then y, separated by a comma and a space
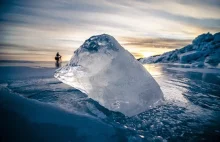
45, 120
205, 49
109, 74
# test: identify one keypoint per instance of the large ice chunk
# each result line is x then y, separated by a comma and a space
109, 74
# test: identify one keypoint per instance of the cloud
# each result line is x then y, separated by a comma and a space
154, 42
48, 26
196, 9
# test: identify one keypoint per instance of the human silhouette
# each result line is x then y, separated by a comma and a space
58, 59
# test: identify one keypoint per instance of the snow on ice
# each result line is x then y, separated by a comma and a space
204, 51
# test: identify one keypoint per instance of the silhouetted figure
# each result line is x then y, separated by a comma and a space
58, 59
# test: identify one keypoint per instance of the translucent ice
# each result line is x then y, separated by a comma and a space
109, 74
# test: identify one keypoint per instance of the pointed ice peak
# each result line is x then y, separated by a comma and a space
99, 42
207, 37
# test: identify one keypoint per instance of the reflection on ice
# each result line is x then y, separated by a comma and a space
155, 71
170, 93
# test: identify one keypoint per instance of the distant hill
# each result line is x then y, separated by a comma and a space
204, 51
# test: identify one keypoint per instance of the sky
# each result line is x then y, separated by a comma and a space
35, 30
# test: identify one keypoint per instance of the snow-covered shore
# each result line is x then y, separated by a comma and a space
203, 52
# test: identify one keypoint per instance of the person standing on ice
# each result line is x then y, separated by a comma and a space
58, 60
58, 57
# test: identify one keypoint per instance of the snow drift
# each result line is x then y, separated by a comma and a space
204, 51
109, 74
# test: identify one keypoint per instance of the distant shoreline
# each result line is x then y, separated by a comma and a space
15, 61
23, 61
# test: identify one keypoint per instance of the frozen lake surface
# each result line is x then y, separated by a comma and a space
35, 106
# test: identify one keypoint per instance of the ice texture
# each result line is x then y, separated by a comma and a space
204, 51
189, 56
110, 75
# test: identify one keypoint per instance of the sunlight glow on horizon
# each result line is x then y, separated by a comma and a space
148, 54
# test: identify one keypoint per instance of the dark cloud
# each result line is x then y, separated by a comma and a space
155, 42
200, 2
9, 48
205, 23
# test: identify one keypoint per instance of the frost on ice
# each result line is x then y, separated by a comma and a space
109, 74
